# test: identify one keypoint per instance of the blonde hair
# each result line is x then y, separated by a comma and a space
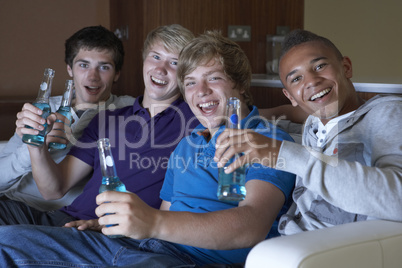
174, 37
212, 45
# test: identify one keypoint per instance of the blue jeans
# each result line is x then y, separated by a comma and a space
15, 212
44, 246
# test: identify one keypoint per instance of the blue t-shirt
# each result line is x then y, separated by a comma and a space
141, 147
191, 183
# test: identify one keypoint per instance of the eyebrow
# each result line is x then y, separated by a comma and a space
159, 54
311, 62
99, 62
204, 74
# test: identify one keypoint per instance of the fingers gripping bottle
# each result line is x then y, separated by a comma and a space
65, 109
42, 102
231, 186
110, 180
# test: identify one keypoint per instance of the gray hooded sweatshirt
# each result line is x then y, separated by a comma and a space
356, 175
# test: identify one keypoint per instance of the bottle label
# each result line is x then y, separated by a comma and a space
234, 119
43, 86
109, 161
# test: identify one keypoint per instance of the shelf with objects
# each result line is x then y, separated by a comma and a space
273, 81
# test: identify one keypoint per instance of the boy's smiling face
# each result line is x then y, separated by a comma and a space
207, 90
317, 80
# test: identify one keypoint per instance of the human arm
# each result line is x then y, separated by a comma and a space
54, 180
360, 171
213, 230
14, 162
256, 148
366, 180
14, 159
374, 191
287, 112
329, 176
94, 223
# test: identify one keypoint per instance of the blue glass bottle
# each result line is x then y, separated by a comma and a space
65, 109
110, 180
42, 102
231, 186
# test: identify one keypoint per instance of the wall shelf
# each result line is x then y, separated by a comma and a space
265, 80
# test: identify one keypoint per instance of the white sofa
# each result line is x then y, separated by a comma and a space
368, 244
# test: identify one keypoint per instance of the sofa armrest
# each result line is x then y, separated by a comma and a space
365, 244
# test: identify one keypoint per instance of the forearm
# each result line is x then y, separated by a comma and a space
46, 173
351, 186
221, 230
239, 227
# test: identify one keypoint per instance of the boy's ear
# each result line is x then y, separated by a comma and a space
70, 71
287, 94
116, 76
347, 64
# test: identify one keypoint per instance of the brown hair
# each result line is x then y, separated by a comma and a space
213, 45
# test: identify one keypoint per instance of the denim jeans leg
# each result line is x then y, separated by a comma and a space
15, 212
44, 246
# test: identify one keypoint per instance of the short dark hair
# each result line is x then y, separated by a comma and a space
94, 37
298, 37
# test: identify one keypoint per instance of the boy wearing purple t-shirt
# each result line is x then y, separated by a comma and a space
142, 137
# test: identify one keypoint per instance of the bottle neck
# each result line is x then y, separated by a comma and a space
106, 159
45, 87
233, 113
68, 94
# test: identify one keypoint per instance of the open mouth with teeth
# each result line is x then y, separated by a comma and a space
158, 81
92, 90
320, 94
208, 107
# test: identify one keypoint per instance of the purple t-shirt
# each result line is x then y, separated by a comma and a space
141, 147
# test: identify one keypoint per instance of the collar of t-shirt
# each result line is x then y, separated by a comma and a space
324, 130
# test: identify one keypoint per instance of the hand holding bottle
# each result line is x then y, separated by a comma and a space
30, 115
232, 187
256, 147
42, 102
134, 218
110, 180
59, 130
